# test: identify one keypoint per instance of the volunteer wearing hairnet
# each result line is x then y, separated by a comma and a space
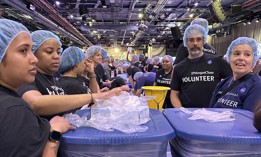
242, 90
163, 78
73, 64
96, 53
182, 51
137, 63
143, 79
156, 64
195, 78
23, 132
44, 95
149, 65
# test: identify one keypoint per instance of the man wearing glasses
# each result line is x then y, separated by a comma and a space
182, 51
194, 79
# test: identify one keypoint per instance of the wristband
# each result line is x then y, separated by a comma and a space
92, 76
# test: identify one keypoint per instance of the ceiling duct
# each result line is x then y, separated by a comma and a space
44, 20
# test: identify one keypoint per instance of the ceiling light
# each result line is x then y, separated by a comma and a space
57, 2
140, 15
30, 6
196, 4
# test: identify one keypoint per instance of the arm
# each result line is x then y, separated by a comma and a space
257, 116
138, 92
93, 84
174, 97
89, 68
58, 124
54, 104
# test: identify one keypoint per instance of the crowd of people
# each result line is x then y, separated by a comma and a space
42, 82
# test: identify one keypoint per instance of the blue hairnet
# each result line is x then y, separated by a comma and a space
91, 51
148, 60
70, 57
135, 57
169, 57
137, 75
8, 31
244, 41
124, 65
40, 36
194, 29
202, 22
107, 58
156, 59
142, 56
104, 53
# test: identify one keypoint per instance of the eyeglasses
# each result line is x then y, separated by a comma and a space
192, 40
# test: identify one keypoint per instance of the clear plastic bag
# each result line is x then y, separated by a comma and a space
125, 113
210, 116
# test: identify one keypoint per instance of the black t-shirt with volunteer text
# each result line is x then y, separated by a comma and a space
131, 70
182, 52
196, 79
163, 79
23, 132
46, 85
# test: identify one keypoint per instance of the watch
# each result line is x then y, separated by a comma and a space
55, 136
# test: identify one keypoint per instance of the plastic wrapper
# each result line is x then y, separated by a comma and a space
210, 116
125, 113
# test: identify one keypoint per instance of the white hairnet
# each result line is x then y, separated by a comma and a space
194, 29
93, 50
40, 36
169, 57
70, 57
244, 41
202, 22
8, 31
137, 75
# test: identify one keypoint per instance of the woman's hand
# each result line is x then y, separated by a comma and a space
89, 66
60, 124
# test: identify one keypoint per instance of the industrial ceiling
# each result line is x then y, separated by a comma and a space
124, 23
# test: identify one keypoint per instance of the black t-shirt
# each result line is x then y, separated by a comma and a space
100, 75
163, 79
182, 52
117, 82
23, 132
197, 79
72, 85
139, 65
46, 85
131, 70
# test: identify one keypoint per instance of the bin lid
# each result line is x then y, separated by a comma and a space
240, 131
159, 130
